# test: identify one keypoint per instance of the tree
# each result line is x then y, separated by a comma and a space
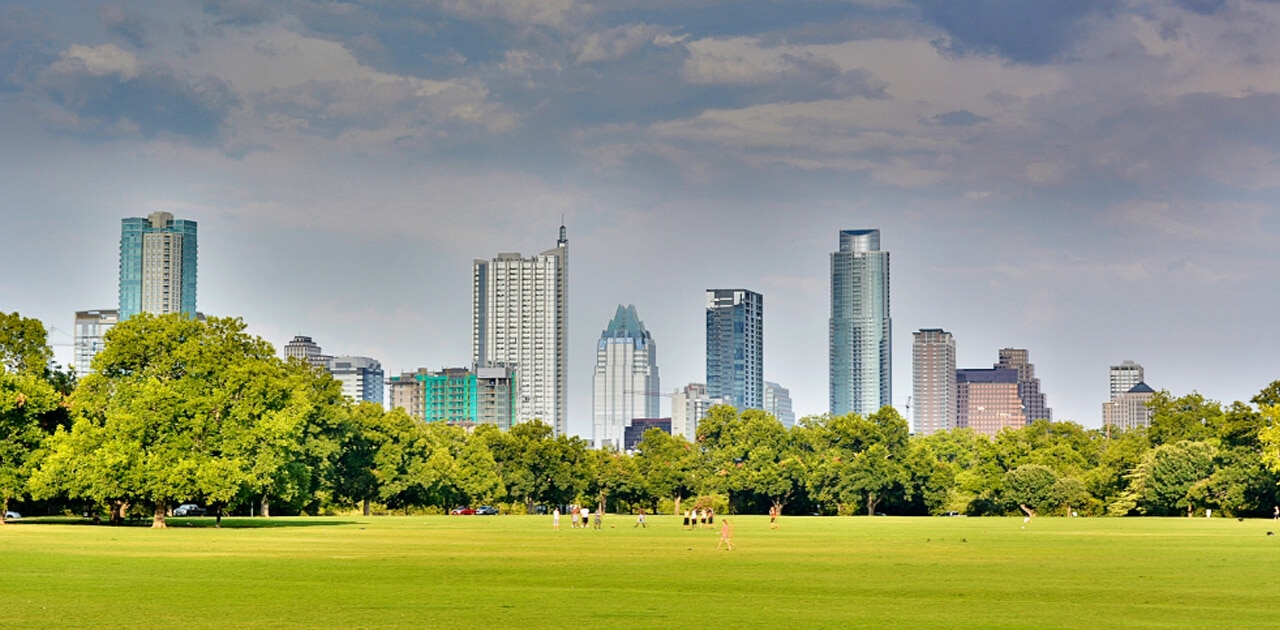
24, 401
176, 409
1162, 483
668, 465
1032, 486
1189, 418
24, 346
755, 454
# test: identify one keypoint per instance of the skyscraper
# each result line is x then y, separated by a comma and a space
861, 350
520, 319
1124, 377
777, 401
933, 387
625, 384
90, 331
688, 405
735, 347
302, 347
157, 265
361, 378
1033, 401
987, 400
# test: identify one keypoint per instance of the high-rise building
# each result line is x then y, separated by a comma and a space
1033, 401
450, 396
406, 391
735, 347
987, 400
361, 377
157, 265
1128, 410
1124, 377
520, 318
90, 330
777, 401
933, 387
496, 390
304, 348
625, 385
688, 406
861, 331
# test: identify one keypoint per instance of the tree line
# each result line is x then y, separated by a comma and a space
177, 410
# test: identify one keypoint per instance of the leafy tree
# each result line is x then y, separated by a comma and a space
1070, 493
24, 400
754, 454
1269, 396
1162, 483
536, 467
1031, 485
24, 345
668, 465
1189, 418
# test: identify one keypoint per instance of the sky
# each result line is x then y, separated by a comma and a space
1094, 180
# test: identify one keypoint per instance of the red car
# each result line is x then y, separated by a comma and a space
463, 510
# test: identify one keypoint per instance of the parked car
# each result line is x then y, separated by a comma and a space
463, 511
189, 509
487, 510
11, 516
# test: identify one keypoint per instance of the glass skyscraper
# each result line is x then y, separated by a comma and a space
735, 347
861, 350
625, 383
157, 265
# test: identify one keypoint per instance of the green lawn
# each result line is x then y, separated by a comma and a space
508, 571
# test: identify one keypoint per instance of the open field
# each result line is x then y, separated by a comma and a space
506, 571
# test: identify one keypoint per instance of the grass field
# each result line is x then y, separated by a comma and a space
509, 571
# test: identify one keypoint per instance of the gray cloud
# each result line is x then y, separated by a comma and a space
25, 47
123, 22
958, 118
1029, 32
106, 90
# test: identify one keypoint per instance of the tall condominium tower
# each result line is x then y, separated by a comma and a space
777, 401
157, 265
520, 319
1124, 377
735, 347
861, 351
625, 385
933, 387
987, 400
90, 331
688, 406
1033, 401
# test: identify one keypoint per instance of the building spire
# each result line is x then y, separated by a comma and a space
564, 235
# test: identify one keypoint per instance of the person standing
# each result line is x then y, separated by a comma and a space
773, 517
574, 515
599, 518
686, 519
586, 517
555, 519
640, 520
726, 534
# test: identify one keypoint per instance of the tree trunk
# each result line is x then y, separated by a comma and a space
871, 505
118, 509
678, 499
217, 521
366, 507
4, 509
157, 516
528, 505
266, 507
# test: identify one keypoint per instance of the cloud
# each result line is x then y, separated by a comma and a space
616, 43
123, 22
958, 118
24, 47
1027, 32
238, 12
106, 90
784, 77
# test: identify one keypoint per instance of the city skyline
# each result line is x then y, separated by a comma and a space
1091, 182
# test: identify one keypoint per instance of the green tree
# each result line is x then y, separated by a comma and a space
755, 454
25, 400
1161, 485
1188, 418
1031, 486
668, 465
24, 345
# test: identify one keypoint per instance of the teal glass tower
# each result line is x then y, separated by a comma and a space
861, 350
735, 347
157, 265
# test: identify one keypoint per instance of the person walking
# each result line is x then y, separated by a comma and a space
599, 518
726, 534
555, 519
640, 520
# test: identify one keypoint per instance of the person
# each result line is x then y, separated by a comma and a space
686, 519
773, 517
599, 518
555, 519
586, 517
574, 515
1277, 512
711, 517
640, 520
700, 518
726, 534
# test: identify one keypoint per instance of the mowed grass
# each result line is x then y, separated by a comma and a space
514, 571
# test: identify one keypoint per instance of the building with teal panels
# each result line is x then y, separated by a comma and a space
861, 352
158, 259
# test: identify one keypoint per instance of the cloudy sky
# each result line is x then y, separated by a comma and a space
1094, 180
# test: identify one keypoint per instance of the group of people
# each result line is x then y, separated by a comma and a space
580, 517
698, 518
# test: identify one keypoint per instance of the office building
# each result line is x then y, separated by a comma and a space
157, 265
735, 347
1128, 410
90, 336
1124, 376
777, 401
987, 400
933, 386
860, 330
635, 432
688, 406
407, 392
361, 377
1033, 401
302, 347
625, 382
520, 318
